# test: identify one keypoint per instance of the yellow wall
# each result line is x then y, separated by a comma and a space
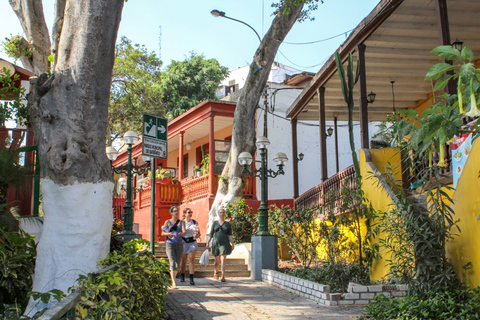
192, 156
465, 247
377, 195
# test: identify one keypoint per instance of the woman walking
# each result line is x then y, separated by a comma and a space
190, 245
174, 229
222, 243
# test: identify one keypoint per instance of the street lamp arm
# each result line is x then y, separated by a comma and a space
135, 169
258, 36
273, 174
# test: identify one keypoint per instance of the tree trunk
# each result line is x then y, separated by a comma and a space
68, 113
243, 136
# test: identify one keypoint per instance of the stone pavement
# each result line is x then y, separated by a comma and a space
243, 298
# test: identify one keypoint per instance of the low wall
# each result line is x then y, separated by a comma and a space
357, 294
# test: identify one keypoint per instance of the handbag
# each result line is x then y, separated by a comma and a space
204, 259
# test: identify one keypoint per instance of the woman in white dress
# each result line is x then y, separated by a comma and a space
190, 245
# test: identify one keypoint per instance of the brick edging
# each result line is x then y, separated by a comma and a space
357, 294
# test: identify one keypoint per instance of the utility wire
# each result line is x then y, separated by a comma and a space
321, 40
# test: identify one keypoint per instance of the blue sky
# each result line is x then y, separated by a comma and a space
188, 26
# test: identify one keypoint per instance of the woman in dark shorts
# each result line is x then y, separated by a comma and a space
174, 229
222, 242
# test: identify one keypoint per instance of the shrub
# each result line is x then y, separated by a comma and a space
241, 219
445, 304
17, 265
336, 274
136, 289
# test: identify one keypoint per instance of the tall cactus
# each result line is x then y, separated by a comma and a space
347, 88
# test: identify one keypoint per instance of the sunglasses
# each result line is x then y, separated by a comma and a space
190, 212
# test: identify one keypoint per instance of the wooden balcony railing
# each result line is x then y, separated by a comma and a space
165, 194
187, 190
329, 192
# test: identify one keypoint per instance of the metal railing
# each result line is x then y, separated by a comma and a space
329, 192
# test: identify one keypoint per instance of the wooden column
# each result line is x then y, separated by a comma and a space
211, 154
323, 136
293, 123
363, 110
180, 155
444, 36
335, 130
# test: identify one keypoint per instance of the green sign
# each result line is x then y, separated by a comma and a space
154, 136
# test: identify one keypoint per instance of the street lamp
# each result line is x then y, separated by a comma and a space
129, 138
217, 13
280, 160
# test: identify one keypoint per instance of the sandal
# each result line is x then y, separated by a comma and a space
215, 275
223, 280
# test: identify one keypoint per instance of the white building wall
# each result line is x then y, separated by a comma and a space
308, 138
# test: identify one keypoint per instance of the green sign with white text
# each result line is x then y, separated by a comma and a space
154, 136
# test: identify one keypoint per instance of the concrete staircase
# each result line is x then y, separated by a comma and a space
235, 267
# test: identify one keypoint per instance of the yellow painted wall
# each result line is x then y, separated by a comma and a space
377, 195
466, 246
192, 157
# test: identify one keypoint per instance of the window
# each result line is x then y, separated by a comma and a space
222, 148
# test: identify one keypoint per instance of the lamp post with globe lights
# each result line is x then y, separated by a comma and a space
264, 245
129, 138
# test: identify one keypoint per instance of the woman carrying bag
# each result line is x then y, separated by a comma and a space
174, 229
222, 242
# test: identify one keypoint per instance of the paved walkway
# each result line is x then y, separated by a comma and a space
243, 298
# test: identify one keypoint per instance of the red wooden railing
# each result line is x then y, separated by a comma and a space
329, 192
194, 188
164, 194
118, 203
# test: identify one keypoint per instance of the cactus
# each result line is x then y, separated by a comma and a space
347, 88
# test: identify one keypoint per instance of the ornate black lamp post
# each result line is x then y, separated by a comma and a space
245, 159
129, 138
264, 245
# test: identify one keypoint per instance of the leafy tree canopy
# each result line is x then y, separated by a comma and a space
139, 86
135, 87
186, 83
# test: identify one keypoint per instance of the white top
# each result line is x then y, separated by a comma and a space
190, 228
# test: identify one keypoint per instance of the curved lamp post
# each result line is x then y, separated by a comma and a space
217, 13
245, 159
129, 138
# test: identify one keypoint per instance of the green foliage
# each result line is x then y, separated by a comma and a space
135, 87
337, 275
416, 236
311, 5
461, 304
298, 229
15, 311
443, 120
12, 47
241, 219
17, 265
136, 289
187, 83
13, 107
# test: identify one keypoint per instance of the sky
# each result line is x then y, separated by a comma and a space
187, 25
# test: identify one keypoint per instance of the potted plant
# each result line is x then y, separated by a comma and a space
162, 176
197, 171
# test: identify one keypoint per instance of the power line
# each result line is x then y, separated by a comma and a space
321, 40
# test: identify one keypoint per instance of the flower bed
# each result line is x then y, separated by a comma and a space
356, 295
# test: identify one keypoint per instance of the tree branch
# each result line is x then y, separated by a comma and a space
57, 27
31, 17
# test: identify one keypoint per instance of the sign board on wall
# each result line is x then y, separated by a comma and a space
154, 138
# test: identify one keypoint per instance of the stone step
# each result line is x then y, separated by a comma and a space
235, 267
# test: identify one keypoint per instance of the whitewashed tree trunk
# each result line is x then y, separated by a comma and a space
68, 112
244, 136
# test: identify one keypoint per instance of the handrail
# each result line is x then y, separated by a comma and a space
321, 194
66, 307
